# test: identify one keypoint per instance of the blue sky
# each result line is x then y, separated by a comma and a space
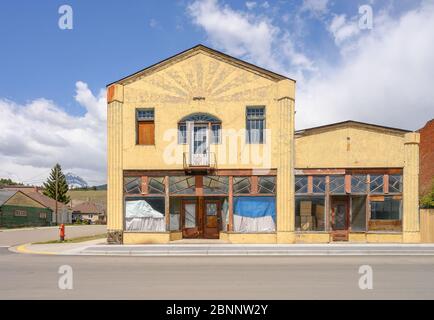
111, 39
381, 75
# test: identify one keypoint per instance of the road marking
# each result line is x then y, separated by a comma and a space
23, 249
4, 246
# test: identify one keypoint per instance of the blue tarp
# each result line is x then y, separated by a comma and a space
255, 207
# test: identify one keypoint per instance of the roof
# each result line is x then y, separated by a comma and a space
351, 123
5, 195
43, 199
210, 51
37, 196
88, 207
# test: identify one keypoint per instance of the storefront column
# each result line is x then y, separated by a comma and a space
285, 170
115, 99
411, 231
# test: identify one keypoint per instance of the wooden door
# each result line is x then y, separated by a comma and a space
340, 216
189, 219
212, 219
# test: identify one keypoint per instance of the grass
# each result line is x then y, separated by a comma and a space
89, 195
75, 240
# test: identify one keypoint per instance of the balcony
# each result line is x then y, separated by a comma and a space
195, 163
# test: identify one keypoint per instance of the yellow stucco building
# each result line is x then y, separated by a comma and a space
203, 145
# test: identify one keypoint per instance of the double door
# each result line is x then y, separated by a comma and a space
201, 218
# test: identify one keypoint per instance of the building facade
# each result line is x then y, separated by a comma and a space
356, 182
202, 145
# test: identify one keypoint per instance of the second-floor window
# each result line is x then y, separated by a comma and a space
145, 126
255, 124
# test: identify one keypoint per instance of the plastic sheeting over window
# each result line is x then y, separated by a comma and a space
254, 214
141, 216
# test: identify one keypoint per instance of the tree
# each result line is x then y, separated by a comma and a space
62, 185
8, 182
427, 200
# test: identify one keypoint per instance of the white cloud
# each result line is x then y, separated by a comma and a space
251, 5
249, 36
265, 5
316, 7
342, 29
38, 134
386, 78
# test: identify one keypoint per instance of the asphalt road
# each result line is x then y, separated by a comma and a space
36, 277
17, 236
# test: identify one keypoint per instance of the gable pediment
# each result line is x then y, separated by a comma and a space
199, 74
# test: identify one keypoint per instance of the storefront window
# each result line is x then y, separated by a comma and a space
318, 184
242, 185
254, 214
267, 185
377, 184
300, 184
359, 183
156, 185
337, 184
215, 184
395, 183
310, 213
145, 214
175, 214
358, 213
133, 185
389, 209
182, 185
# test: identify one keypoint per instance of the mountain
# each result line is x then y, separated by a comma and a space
75, 181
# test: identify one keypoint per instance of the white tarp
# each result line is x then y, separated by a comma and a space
248, 224
140, 216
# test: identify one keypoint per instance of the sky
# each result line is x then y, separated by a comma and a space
347, 65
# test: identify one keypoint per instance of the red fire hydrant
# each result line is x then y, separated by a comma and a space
62, 232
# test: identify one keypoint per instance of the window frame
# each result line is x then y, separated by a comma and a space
264, 125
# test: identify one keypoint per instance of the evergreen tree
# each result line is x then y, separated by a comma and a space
62, 186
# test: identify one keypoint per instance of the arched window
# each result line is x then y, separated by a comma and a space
200, 118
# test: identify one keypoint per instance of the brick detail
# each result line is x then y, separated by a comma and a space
426, 155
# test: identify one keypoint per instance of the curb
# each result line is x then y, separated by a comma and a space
230, 251
23, 249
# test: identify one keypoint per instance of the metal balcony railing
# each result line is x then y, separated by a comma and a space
199, 162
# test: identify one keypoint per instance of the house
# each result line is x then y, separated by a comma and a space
19, 209
203, 145
63, 214
90, 212
426, 157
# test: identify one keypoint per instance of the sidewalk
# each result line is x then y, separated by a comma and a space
99, 248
